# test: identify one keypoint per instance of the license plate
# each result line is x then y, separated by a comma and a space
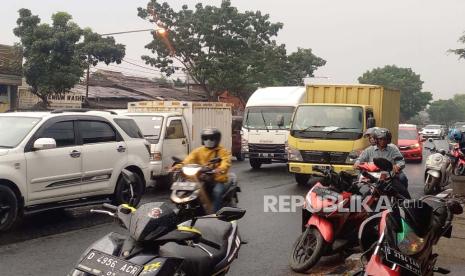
184, 186
100, 264
321, 167
402, 260
266, 154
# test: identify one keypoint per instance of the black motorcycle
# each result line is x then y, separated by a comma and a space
162, 242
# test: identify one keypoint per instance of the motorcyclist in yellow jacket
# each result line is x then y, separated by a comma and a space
209, 150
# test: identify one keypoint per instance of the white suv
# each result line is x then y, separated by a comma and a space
68, 158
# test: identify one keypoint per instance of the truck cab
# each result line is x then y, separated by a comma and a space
267, 119
328, 129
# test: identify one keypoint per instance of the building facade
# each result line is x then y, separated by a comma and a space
10, 76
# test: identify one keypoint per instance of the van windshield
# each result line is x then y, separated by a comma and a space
267, 117
150, 126
14, 129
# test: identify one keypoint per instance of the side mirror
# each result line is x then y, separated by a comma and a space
45, 143
371, 122
230, 213
170, 131
280, 120
383, 164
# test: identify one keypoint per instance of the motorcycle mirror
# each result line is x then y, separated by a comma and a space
430, 140
215, 160
383, 164
230, 213
455, 207
176, 159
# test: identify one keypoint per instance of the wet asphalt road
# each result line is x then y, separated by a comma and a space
50, 243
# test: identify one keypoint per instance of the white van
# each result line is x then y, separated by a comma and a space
266, 123
173, 129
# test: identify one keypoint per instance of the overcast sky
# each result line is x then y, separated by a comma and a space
352, 35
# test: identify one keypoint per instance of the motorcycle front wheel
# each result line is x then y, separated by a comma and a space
307, 250
430, 184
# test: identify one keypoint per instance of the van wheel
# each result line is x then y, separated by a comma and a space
301, 179
126, 193
8, 208
255, 163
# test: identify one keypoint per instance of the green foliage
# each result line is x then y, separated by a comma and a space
412, 99
56, 55
459, 100
445, 112
224, 49
461, 51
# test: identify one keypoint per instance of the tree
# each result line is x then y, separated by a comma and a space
223, 49
57, 55
460, 52
445, 112
459, 100
412, 99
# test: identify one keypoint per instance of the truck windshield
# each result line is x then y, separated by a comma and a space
325, 121
261, 117
14, 129
150, 126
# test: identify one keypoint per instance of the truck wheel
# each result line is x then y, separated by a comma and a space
301, 179
255, 163
239, 157
8, 208
123, 194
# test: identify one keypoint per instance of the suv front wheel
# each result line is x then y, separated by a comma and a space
128, 193
8, 208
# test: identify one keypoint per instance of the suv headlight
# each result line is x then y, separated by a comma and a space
293, 154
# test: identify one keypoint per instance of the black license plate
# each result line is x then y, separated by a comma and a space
402, 260
100, 264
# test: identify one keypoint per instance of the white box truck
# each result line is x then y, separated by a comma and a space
267, 118
173, 129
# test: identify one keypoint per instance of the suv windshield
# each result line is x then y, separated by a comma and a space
325, 121
267, 117
149, 125
14, 129
433, 127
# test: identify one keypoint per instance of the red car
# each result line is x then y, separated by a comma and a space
410, 143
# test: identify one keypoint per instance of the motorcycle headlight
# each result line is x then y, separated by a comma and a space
191, 170
294, 154
408, 242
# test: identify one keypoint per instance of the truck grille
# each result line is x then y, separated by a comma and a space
324, 157
270, 148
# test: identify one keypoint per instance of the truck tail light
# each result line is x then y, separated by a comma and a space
155, 156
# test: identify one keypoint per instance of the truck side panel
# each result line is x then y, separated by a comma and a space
220, 118
391, 112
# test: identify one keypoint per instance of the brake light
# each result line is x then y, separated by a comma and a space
155, 156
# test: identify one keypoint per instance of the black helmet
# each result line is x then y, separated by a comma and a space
211, 137
383, 133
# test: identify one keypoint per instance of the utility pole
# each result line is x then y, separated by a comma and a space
187, 82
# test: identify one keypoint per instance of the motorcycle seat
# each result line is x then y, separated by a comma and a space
196, 260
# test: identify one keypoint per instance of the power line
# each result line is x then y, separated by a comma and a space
158, 70
127, 32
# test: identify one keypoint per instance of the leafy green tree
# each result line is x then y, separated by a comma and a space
56, 55
459, 100
461, 51
224, 49
445, 112
412, 99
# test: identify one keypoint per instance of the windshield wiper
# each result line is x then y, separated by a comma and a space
339, 128
308, 128
264, 121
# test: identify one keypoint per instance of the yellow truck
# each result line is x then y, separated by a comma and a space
328, 129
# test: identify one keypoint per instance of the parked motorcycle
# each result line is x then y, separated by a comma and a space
438, 169
327, 230
405, 236
458, 160
194, 182
157, 245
